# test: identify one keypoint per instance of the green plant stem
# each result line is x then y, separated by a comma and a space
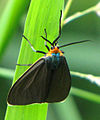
9, 21
82, 13
67, 7
6, 73
62, 109
91, 78
86, 95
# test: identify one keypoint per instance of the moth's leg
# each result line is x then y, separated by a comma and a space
33, 47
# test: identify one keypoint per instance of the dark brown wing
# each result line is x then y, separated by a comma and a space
30, 87
60, 83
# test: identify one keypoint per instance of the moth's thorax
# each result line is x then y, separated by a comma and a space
54, 58
55, 50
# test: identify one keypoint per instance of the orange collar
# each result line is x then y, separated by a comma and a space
54, 50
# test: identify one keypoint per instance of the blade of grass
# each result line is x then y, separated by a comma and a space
90, 77
66, 10
6, 73
10, 20
94, 8
86, 95
67, 110
42, 14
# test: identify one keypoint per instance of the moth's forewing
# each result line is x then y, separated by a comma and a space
27, 89
60, 83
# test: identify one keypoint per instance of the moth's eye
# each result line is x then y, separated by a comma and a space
62, 51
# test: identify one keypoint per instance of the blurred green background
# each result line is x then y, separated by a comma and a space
83, 58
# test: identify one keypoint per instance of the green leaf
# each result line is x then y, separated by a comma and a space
42, 14
10, 20
86, 95
6, 73
67, 110
95, 8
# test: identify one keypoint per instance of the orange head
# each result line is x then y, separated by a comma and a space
55, 50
